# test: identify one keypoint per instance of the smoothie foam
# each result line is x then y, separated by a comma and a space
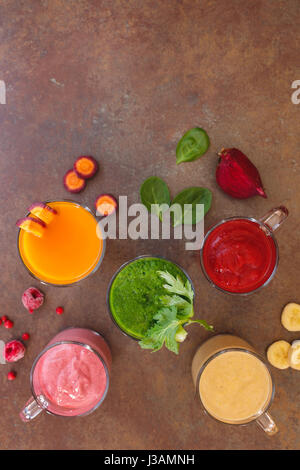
71, 377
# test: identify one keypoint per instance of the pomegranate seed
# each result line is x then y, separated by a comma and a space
59, 310
25, 336
8, 324
4, 318
11, 375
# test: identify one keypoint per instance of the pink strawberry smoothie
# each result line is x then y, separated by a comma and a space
71, 377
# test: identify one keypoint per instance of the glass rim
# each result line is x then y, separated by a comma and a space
86, 346
120, 269
246, 351
70, 284
270, 233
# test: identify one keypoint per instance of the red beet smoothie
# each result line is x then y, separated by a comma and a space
238, 256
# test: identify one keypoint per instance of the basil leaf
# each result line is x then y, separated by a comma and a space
154, 191
192, 145
193, 196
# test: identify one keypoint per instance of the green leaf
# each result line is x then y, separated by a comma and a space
185, 308
192, 196
176, 285
167, 329
163, 332
170, 320
192, 145
155, 191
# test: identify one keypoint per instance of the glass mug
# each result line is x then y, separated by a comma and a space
70, 377
239, 255
71, 249
115, 316
233, 382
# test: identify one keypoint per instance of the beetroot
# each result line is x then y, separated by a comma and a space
14, 350
237, 175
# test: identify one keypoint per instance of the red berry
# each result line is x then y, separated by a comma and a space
4, 318
25, 336
32, 299
8, 324
0, 321
14, 351
59, 310
11, 375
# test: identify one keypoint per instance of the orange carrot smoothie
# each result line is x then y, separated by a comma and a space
69, 249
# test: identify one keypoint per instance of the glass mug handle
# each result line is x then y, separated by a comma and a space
32, 409
265, 421
274, 218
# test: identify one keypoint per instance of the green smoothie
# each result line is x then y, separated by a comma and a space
134, 296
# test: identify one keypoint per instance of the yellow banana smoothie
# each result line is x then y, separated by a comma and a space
235, 386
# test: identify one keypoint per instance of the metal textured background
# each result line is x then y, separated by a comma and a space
122, 81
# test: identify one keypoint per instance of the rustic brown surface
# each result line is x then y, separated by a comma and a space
122, 80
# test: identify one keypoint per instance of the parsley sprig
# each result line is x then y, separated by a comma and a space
176, 312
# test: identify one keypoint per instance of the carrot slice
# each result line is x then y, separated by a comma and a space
85, 166
32, 225
106, 204
73, 183
42, 211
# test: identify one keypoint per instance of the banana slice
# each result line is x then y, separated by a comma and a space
277, 354
294, 355
290, 317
